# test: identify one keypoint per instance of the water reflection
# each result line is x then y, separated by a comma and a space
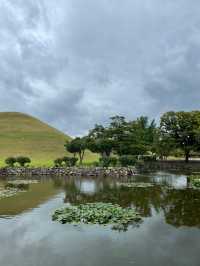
179, 204
169, 234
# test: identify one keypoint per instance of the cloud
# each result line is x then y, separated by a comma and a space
76, 63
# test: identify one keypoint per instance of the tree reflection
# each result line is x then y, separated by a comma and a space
181, 207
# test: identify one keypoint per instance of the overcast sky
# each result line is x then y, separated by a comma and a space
74, 63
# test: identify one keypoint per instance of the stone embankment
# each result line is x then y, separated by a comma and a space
171, 165
75, 171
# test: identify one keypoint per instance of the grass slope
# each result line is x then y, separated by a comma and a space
21, 134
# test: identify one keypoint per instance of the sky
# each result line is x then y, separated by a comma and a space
75, 63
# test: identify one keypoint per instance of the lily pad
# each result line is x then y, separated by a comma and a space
195, 181
7, 193
97, 213
137, 185
20, 184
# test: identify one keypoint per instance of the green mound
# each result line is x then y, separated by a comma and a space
97, 213
25, 135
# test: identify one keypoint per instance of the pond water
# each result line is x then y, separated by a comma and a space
169, 234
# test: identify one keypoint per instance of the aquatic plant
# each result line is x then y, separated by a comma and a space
7, 193
97, 213
137, 185
20, 184
195, 180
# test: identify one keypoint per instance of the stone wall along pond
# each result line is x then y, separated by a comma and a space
75, 171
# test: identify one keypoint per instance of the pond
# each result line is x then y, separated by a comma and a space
168, 234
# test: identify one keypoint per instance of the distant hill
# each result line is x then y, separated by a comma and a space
21, 134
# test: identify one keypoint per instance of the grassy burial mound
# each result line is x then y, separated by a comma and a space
21, 134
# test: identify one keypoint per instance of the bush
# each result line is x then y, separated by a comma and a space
22, 160
58, 162
148, 158
108, 161
70, 161
127, 160
10, 161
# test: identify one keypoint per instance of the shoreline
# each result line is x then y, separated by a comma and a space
69, 171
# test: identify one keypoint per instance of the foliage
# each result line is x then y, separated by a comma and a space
69, 161
77, 146
10, 161
147, 158
133, 137
97, 213
137, 185
9, 192
183, 128
163, 145
23, 160
100, 141
127, 160
195, 180
58, 162
108, 161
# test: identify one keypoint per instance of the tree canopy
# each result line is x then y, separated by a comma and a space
178, 131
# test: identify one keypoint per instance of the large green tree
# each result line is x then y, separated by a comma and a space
163, 144
184, 128
99, 141
133, 137
77, 146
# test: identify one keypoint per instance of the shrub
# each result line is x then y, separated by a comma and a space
70, 161
58, 162
10, 161
148, 158
108, 161
95, 164
22, 160
73, 161
127, 160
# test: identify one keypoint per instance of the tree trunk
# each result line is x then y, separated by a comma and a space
81, 156
187, 156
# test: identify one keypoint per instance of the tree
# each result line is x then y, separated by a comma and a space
163, 145
100, 141
119, 132
133, 137
22, 160
77, 146
183, 128
10, 161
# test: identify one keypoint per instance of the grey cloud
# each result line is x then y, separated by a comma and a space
75, 63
